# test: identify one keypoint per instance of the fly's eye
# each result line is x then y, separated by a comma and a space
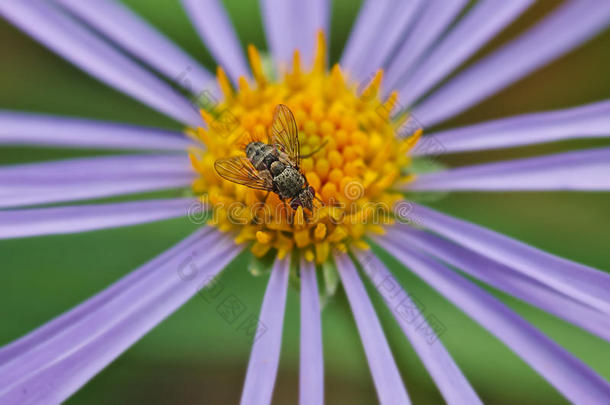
312, 191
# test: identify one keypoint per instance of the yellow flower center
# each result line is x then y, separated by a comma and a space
357, 160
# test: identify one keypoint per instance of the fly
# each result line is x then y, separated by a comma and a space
273, 166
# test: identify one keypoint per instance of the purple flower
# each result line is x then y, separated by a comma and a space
418, 44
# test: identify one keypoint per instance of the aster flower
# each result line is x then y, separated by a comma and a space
365, 175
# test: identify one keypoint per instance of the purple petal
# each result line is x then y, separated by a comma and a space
85, 178
577, 281
82, 218
109, 187
141, 39
449, 379
587, 170
428, 27
17, 128
588, 121
293, 24
214, 27
280, 35
306, 18
78, 45
54, 367
265, 356
311, 374
51, 329
389, 385
32, 176
486, 19
84, 168
570, 376
585, 18
372, 16
505, 279
373, 54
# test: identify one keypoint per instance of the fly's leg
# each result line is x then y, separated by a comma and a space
316, 150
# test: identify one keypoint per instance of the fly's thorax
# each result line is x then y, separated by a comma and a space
289, 182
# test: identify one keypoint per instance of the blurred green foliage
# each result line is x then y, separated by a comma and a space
194, 356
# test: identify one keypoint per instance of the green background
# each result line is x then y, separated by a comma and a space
194, 356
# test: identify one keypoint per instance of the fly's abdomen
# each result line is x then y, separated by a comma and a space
289, 182
261, 155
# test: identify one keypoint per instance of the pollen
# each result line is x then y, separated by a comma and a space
351, 154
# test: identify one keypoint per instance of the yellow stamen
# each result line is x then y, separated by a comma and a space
320, 232
319, 64
371, 91
207, 117
224, 84
296, 62
260, 249
293, 79
309, 256
264, 237
257, 65
388, 106
337, 76
322, 251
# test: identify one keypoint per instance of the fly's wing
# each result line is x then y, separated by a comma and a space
285, 133
238, 169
